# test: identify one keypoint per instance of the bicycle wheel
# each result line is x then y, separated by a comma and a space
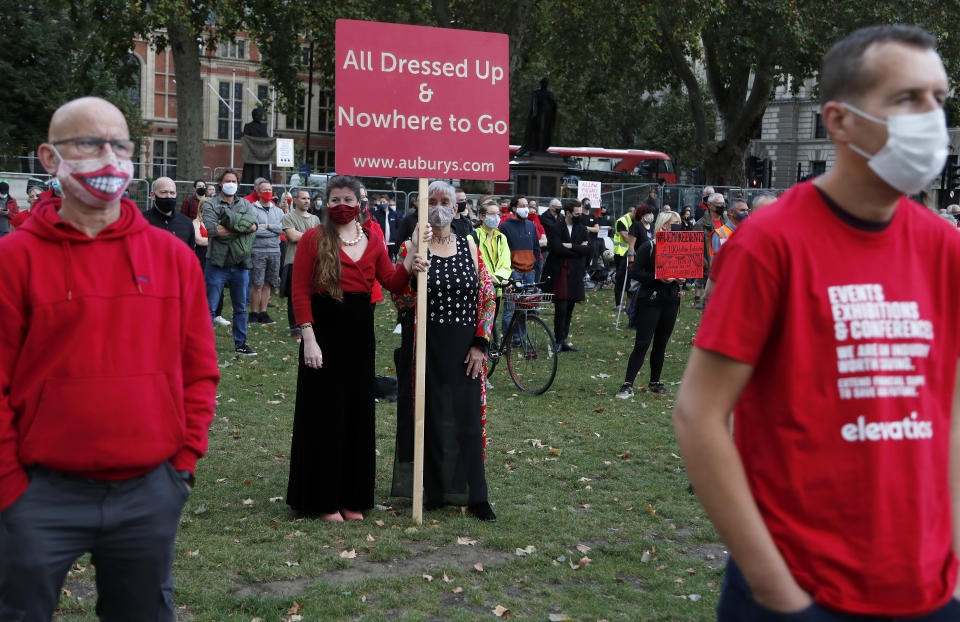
493, 354
533, 363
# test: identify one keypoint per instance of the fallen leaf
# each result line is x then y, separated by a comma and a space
295, 608
446, 579
501, 612
293, 618
650, 510
194, 553
348, 554
694, 597
598, 410
555, 452
478, 567
275, 499
583, 548
291, 564
466, 541
512, 451
248, 501
625, 455
66, 592
221, 480
427, 577
378, 523
645, 557
560, 617
529, 550
457, 590
273, 401
370, 538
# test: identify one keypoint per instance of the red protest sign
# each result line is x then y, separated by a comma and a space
679, 255
415, 101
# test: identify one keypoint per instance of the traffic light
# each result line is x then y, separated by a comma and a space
758, 172
953, 174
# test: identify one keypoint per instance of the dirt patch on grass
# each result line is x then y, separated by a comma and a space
713, 555
456, 557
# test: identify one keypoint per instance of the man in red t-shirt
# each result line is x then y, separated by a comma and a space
836, 498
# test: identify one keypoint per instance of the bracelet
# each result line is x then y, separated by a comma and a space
306, 325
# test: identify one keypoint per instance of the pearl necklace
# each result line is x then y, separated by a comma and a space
355, 240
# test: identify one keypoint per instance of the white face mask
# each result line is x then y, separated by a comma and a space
492, 221
648, 218
523, 212
916, 148
229, 188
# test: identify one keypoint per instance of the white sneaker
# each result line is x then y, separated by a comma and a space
398, 330
221, 321
625, 392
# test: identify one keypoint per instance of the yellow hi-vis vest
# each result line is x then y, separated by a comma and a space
620, 246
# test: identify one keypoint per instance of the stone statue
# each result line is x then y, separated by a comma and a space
540, 122
258, 149
256, 127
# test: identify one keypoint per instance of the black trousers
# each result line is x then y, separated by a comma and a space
562, 315
620, 263
653, 322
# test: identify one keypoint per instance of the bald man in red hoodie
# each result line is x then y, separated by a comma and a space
108, 379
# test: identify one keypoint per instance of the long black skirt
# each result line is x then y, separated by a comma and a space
453, 437
333, 451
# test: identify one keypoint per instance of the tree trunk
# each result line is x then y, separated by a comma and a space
184, 44
724, 164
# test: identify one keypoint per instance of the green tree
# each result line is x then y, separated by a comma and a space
746, 48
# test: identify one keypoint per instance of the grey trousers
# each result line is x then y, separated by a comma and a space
129, 526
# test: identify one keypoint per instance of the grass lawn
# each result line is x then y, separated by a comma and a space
595, 521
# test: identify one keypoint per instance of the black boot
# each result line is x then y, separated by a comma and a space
483, 512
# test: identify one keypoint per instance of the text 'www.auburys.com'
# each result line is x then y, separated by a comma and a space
444, 167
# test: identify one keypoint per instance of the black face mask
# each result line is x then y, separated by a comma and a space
201, 192
165, 204
461, 206
574, 220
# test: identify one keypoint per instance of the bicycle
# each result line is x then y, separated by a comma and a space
528, 344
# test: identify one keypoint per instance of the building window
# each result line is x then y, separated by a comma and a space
133, 94
223, 115
164, 158
326, 116
232, 49
819, 130
323, 161
164, 87
818, 167
295, 121
263, 94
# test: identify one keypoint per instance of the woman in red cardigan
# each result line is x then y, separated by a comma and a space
332, 456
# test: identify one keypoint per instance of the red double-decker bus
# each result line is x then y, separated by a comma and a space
615, 165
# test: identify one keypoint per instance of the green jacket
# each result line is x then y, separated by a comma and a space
498, 265
234, 249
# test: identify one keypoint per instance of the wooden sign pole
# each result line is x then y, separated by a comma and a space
421, 361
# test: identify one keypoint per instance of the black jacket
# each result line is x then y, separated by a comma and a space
395, 219
576, 258
643, 270
176, 223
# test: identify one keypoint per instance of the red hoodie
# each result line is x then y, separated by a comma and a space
107, 359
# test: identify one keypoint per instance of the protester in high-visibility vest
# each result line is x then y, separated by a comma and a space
712, 219
622, 244
735, 215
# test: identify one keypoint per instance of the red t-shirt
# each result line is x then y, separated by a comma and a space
844, 426
374, 265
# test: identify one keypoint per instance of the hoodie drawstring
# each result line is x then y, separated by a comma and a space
133, 270
68, 258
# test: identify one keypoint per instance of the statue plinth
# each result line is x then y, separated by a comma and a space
539, 174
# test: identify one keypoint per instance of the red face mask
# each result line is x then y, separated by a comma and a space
342, 213
267, 195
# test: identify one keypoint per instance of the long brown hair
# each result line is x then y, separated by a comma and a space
327, 269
